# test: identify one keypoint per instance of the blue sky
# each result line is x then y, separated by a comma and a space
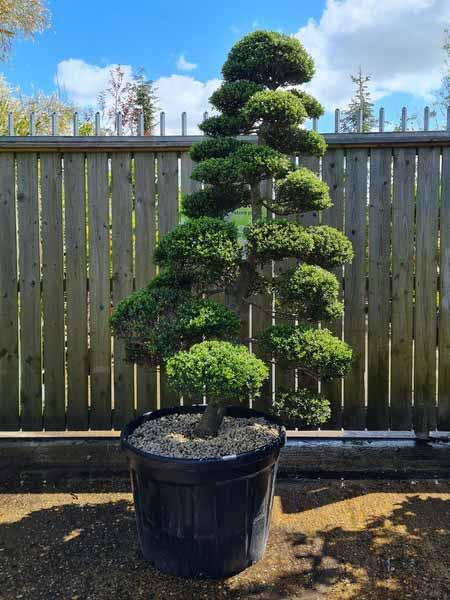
182, 45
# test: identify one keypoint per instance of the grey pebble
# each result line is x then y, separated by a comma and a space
173, 436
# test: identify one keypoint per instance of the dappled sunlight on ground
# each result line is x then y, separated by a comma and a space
329, 539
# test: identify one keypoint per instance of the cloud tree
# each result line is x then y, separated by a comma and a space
175, 320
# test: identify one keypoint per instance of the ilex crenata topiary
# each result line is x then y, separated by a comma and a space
175, 321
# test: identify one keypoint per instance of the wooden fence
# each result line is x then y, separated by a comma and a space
79, 218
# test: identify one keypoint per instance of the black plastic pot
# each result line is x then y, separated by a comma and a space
203, 518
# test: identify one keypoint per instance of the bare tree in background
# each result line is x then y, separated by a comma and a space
129, 98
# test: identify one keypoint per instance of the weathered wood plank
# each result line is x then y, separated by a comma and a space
379, 289
53, 291
354, 288
76, 291
333, 175
168, 217
188, 186
402, 288
144, 168
99, 291
9, 341
30, 301
444, 297
309, 219
426, 290
174, 143
261, 312
122, 255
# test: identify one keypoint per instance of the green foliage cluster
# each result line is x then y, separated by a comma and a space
275, 240
303, 408
331, 248
269, 58
204, 250
222, 371
316, 351
215, 201
301, 191
173, 321
309, 292
165, 317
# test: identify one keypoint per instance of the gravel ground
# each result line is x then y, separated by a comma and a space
174, 436
330, 540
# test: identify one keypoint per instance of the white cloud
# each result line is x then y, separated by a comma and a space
83, 81
397, 42
178, 93
185, 65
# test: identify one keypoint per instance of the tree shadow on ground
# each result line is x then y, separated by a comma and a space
90, 552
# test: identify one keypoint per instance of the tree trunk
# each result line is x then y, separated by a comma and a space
210, 421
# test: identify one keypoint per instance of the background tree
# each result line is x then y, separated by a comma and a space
13, 101
21, 18
442, 101
174, 320
361, 101
128, 98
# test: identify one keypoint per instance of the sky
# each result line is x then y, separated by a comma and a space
182, 45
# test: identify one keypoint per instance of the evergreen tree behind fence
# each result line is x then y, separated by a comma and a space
79, 218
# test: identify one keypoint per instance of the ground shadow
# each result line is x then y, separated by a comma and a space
90, 552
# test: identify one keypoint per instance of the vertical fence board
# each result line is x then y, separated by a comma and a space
53, 291
426, 290
402, 287
99, 291
355, 284
30, 301
188, 186
261, 312
168, 216
333, 175
76, 291
444, 296
122, 256
144, 166
9, 363
379, 289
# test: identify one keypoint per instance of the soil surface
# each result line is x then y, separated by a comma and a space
174, 436
334, 540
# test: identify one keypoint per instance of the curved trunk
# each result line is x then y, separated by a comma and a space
210, 421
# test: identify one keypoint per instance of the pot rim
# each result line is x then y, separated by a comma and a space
249, 456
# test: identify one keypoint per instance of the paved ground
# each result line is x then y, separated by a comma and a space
329, 540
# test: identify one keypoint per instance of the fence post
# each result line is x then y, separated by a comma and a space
404, 118
426, 118
10, 124
32, 124
97, 123
140, 124
54, 124
75, 124
381, 120
162, 123
337, 120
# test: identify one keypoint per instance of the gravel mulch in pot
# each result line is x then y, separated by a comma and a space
173, 436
